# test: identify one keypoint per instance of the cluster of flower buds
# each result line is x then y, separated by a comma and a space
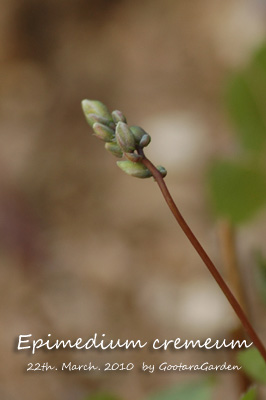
120, 138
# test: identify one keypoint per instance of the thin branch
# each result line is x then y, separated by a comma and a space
204, 256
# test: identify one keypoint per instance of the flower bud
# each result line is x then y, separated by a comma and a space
118, 116
92, 118
145, 140
138, 133
103, 132
113, 148
133, 157
162, 170
136, 169
95, 107
125, 138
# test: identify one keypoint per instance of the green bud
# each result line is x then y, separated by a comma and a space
118, 116
162, 170
125, 138
95, 107
136, 169
103, 132
133, 157
138, 133
92, 118
145, 140
113, 148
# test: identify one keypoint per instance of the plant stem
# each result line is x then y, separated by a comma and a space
204, 256
228, 249
227, 239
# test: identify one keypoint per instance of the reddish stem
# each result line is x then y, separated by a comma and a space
204, 256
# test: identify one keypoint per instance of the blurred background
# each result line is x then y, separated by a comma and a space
85, 248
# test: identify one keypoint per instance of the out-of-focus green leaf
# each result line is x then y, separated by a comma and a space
201, 390
251, 394
237, 190
261, 277
256, 77
260, 57
246, 102
253, 364
246, 113
101, 396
